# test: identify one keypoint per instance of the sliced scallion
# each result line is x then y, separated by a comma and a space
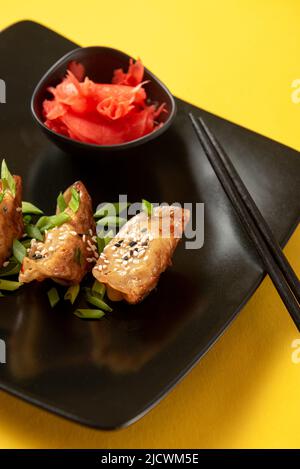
19, 251
27, 207
89, 313
26, 243
2, 195
96, 301
27, 219
78, 256
53, 297
48, 223
99, 288
33, 232
61, 203
147, 207
8, 181
72, 293
75, 200
13, 268
9, 285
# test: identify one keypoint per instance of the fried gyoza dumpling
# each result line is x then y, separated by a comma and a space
132, 262
68, 251
11, 218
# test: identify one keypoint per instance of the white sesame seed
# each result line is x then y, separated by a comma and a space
5, 264
89, 249
96, 255
90, 259
51, 248
125, 262
84, 238
91, 232
136, 261
19, 209
106, 261
113, 248
94, 238
99, 267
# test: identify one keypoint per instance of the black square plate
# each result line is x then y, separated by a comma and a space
106, 374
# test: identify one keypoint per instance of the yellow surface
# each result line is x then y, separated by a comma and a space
237, 59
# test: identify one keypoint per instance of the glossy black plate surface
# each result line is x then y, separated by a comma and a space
108, 373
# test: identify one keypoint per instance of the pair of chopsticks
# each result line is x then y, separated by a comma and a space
275, 262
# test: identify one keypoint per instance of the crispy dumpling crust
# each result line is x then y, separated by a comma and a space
67, 252
11, 220
133, 261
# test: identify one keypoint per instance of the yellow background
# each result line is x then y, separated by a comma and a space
236, 59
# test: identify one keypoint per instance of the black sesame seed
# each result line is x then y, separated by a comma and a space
145, 243
118, 245
125, 258
131, 252
37, 256
132, 243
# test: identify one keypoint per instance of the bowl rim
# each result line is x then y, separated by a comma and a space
120, 146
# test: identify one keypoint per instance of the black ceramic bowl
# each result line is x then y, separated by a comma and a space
99, 63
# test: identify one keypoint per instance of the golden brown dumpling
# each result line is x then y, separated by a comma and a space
67, 252
11, 219
132, 262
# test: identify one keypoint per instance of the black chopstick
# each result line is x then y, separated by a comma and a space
261, 223
281, 273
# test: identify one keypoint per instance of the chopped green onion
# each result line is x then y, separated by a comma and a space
100, 244
72, 293
27, 219
27, 207
78, 256
111, 209
89, 313
26, 243
19, 251
99, 289
111, 221
2, 196
103, 239
33, 232
13, 268
61, 203
8, 181
48, 223
75, 200
147, 207
53, 297
96, 301
9, 285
